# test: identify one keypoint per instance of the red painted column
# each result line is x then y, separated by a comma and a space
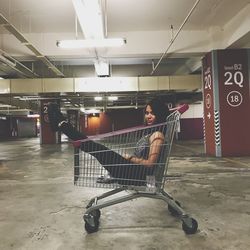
47, 136
228, 131
208, 100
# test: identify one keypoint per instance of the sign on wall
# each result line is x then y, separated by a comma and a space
234, 101
226, 94
208, 99
47, 136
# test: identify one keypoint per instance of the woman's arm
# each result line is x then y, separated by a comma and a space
155, 140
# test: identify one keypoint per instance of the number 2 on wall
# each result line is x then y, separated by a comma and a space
235, 77
45, 109
208, 82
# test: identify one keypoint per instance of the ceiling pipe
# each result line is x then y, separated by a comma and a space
16, 65
173, 39
7, 61
12, 29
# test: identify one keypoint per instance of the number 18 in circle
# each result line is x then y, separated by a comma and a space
234, 98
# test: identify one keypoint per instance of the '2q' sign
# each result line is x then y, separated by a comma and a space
234, 78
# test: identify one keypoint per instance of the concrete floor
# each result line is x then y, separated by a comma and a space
41, 209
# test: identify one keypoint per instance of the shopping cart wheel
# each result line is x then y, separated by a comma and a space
93, 226
190, 227
96, 213
172, 210
91, 229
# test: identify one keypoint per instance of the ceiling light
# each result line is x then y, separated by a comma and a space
6, 105
112, 98
98, 98
93, 111
90, 16
33, 115
91, 43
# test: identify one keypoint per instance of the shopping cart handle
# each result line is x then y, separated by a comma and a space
77, 144
181, 108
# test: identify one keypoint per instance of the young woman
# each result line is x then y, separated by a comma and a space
122, 168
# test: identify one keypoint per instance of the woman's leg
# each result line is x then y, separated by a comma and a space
117, 166
103, 154
114, 163
109, 159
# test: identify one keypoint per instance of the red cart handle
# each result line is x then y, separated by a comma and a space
180, 108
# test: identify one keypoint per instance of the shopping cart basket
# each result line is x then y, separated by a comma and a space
102, 156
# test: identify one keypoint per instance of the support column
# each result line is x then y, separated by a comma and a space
47, 136
226, 95
74, 118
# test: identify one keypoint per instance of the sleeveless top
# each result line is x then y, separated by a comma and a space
142, 147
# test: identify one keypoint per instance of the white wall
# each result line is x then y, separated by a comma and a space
194, 111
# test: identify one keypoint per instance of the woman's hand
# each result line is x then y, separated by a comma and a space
127, 156
156, 140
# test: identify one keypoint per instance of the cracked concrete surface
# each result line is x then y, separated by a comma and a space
40, 208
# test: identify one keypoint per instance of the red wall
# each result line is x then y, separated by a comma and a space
112, 120
126, 118
233, 96
191, 128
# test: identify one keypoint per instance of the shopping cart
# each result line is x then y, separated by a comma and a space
103, 157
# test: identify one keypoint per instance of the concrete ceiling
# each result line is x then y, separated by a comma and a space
146, 25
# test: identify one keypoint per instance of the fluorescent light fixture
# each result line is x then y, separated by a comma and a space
1, 78
93, 111
82, 110
33, 116
98, 98
112, 98
91, 43
91, 20
6, 105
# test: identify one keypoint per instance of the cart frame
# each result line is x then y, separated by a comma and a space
151, 190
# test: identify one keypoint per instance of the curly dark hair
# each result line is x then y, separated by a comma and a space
159, 109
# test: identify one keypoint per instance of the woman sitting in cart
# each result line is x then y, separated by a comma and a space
123, 169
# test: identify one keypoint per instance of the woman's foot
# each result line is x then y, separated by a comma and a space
55, 116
